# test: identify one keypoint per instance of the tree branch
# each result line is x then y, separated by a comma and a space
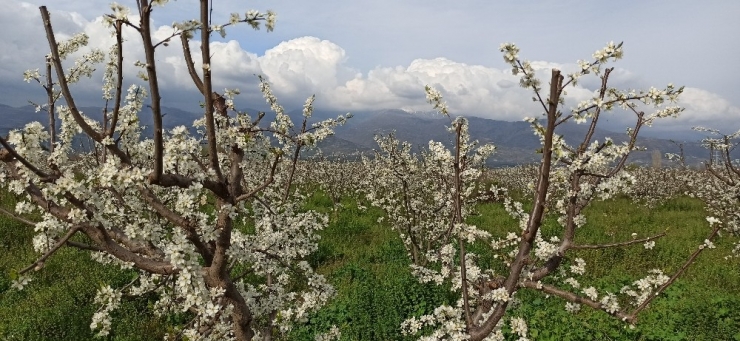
145, 9
51, 102
39, 263
189, 227
56, 60
538, 210
627, 243
119, 79
267, 182
22, 160
571, 297
191, 66
17, 218
207, 89
632, 318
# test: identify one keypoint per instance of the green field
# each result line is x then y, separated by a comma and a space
368, 265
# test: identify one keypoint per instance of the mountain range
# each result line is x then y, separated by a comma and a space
515, 142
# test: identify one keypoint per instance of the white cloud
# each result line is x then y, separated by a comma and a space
23, 38
306, 63
232, 65
706, 108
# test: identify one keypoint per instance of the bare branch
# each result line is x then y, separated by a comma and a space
17, 218
189, 62
207, 89
145, 10
51, 104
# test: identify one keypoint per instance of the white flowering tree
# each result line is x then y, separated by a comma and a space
419, 192
208, 220
719, 185
569, 178
336, 175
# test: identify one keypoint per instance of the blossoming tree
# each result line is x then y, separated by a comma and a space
569, 178
416, 191
215, 231
719, 187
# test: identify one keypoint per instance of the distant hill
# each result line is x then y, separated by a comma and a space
515, 142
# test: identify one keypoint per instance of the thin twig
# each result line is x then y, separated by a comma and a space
39, 263
17, 218
627, 243
633, 316
571, 297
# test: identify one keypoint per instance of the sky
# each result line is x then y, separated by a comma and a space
365, 55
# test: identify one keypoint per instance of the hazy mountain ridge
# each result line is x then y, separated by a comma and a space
515, 141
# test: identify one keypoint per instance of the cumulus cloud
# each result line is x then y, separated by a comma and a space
706, 108
23, 36
307, 63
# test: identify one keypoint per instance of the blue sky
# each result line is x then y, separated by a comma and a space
366, 55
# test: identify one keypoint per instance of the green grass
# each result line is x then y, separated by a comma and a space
369, 268
368, 265
699, 306
57, 304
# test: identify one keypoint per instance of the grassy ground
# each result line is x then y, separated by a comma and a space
368, 265
57, 305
